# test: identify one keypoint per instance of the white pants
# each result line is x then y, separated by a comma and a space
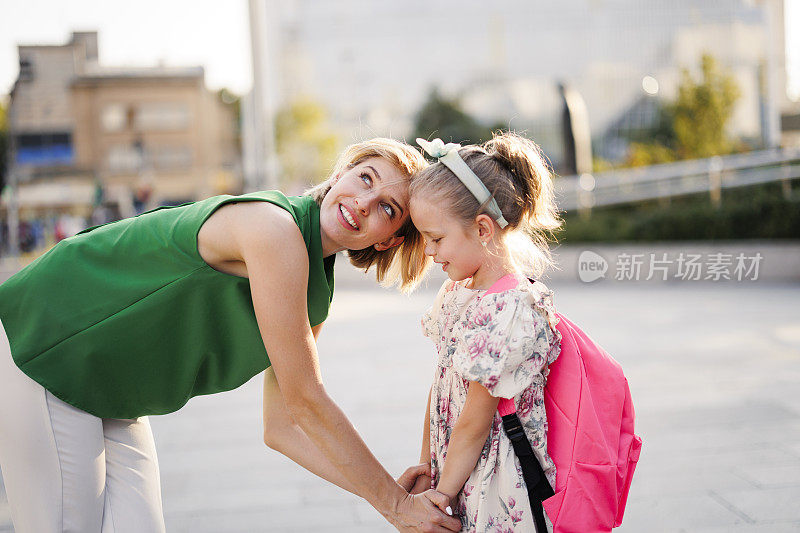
67, 470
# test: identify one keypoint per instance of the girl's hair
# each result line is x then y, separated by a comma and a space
407, 263
518, 178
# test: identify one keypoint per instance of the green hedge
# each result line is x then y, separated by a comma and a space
756, 212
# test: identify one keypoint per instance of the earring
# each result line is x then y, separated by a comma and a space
483, 243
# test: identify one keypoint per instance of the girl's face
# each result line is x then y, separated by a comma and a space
456, 247
366, 206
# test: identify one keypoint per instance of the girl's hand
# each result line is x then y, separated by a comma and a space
442, 500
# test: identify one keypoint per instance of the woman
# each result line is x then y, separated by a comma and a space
135, 317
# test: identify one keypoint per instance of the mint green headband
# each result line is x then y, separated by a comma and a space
447, 154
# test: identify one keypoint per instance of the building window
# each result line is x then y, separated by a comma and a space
172, 158
162, 116
44, 149
113, 117
124, 158
25, 69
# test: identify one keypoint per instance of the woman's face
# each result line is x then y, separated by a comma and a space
365, 207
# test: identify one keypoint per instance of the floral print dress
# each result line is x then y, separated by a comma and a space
505, 341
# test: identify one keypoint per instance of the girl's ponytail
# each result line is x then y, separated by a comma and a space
532, 180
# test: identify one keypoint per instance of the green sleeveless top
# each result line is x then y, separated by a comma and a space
126, 319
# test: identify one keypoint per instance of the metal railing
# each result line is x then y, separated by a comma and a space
710, 175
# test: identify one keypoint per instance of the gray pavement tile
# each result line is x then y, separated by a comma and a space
313, 493
345, 528
366, 515
766, 503
729, 457
732, 416
793, 445
774, 443
771, 476
260, 518
767, 527
678, 513
210, 499
649, 483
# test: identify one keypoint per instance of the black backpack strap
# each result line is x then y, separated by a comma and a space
539, 488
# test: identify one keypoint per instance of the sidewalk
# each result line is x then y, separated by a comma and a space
714, 370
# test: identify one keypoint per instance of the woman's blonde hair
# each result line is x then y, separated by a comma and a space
519, 179
407, 263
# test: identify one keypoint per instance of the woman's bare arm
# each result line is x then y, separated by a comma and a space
269, 244
283, 435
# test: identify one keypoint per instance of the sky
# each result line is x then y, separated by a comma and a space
210, 33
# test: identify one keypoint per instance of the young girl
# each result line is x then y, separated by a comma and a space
484, 212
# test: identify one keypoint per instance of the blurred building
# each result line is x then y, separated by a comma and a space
157, 131
372, 64
85, 135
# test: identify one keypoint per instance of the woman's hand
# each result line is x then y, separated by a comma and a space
423, 513
414, 477
422, 484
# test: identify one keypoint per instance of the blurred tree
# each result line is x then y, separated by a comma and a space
306, 145
4, 142
600, 164
443, 117
693, 126
643, 154
702, 110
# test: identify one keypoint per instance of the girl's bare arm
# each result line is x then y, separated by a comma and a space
423, 481
468, 438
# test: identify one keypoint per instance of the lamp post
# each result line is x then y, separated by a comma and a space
264, 162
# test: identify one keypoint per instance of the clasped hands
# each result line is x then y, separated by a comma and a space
416, 480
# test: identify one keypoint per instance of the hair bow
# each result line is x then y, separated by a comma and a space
437, 148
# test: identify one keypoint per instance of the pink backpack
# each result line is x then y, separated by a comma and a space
590, 433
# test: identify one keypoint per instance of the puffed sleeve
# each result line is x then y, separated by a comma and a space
508, 343
430, 319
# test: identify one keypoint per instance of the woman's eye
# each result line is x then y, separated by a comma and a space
389, 210
367, 178
436, 240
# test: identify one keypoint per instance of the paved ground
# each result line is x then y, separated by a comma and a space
714, 370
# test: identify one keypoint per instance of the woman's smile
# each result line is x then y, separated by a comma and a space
348, 218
